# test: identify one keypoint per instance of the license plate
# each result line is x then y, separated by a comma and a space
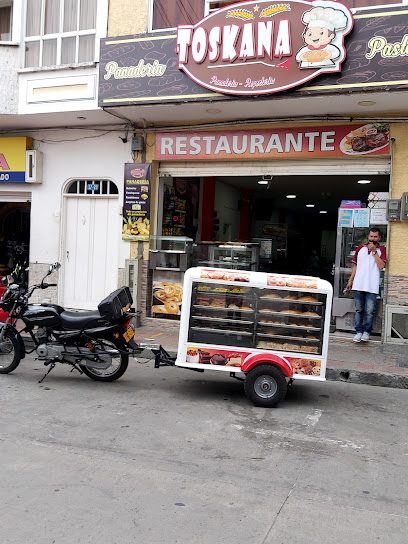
129, 334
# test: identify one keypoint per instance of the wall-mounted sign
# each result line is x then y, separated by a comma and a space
144, 69
263, 47
13, 159
281, 143
136, 204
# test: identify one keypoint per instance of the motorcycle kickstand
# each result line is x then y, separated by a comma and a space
52, 365
76, 367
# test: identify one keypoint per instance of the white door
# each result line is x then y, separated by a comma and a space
92, 234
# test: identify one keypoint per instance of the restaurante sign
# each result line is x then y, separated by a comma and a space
280, 143
264, 47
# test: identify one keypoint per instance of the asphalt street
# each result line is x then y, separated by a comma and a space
172, 456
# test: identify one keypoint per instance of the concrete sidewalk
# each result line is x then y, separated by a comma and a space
370, 363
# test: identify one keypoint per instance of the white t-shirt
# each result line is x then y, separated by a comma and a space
367, 276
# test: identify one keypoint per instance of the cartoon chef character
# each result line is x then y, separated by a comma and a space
321, 26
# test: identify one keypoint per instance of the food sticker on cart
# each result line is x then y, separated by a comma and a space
309, 367
224, 275
215, 356
291, 281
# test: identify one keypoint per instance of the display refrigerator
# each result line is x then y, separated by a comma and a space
347, 240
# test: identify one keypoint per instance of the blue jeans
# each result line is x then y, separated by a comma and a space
365, 310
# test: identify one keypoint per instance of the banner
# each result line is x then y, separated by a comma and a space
136, 202
280, 143
13, 159
144, 69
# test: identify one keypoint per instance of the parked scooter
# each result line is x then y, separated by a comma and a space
97, 343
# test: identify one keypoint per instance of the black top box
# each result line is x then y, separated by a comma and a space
111, 307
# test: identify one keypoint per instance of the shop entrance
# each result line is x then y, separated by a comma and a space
292, 217
14, 234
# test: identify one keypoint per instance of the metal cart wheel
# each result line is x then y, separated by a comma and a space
265, 385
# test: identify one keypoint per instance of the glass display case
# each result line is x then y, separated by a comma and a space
170, 252
255, 317
234, 255
169, 258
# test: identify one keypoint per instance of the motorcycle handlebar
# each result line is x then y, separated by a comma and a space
45, 285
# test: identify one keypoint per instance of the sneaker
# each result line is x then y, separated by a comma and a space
358, 336
365, 337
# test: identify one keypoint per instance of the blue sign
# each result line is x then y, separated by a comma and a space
92, 186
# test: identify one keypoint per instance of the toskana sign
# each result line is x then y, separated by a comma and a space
264, 47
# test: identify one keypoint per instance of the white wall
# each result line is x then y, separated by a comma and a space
87, 155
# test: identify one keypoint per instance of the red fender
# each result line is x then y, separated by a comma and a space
260, 358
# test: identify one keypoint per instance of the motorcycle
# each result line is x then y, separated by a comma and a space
96, 343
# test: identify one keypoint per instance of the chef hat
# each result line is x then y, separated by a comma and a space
330, 18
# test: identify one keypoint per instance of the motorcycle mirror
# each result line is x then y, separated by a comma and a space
4, 281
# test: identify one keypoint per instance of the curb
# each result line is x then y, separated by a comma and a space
379, 379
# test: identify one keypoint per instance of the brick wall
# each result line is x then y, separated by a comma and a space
397, 290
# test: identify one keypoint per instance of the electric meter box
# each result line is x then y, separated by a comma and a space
404, 207
394, 209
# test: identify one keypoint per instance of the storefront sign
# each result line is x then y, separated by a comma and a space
258, 47
136, 205
13, 159
336, 141
144, 69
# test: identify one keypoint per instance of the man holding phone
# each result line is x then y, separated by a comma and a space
368, 261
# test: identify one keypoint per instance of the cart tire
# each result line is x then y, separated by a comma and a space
265, 385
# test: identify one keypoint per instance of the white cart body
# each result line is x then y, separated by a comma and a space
234, 320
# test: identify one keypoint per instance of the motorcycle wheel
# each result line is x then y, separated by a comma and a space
114, 371
9, 360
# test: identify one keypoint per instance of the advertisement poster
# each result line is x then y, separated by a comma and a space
362, 217
345, 218
167, 297
136, 202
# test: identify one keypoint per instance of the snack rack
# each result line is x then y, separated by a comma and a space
262, 328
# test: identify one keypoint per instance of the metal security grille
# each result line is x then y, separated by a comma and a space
92, 187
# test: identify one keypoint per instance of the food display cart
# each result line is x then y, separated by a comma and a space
265, 329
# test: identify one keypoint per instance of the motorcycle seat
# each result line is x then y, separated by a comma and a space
81, 320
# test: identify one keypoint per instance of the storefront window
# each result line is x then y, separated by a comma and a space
171, 13
60, 32
369, 3
5, 23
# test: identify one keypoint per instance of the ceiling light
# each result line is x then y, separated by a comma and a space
366, 103
290, 196
364, 181
263, 182
310, 205
323, 211
213, 110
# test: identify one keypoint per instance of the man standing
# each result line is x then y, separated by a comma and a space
368, 261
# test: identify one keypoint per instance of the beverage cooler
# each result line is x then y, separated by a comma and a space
347, 241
